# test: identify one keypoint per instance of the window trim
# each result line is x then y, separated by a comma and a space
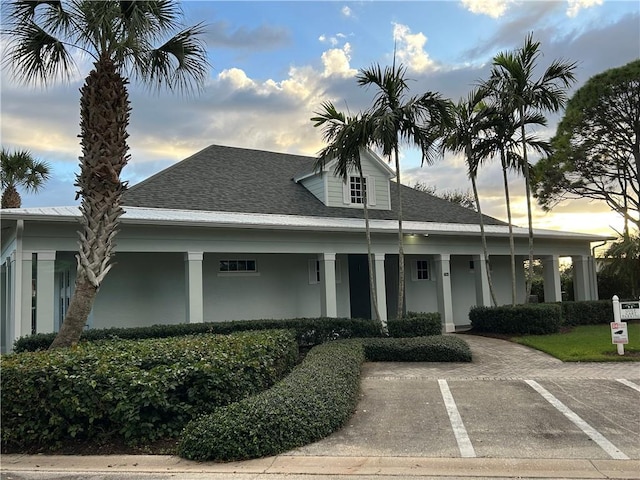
370, 185
238, 273
415, 270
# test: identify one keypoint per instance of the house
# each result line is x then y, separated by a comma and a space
233, 233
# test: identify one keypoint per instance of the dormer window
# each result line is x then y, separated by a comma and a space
354, 189
357, 189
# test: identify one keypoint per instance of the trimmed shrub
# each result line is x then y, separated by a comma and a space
530, 319
587, 312
138, 391
317, 398
309, 331
416, 324
418, 349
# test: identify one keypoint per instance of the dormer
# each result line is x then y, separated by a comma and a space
333, 191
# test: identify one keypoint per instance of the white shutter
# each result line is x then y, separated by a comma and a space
371, 191
346, 194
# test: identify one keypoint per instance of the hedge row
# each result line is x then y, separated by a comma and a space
530, 319
138, 391
309, 331
587, 312
316, 399
421, 349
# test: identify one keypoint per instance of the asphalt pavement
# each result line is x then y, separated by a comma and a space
513, 412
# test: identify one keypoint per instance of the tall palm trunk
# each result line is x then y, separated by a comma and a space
400, 309
512, 248
527, 186
372, 281
483, 236
11, 197
104, 117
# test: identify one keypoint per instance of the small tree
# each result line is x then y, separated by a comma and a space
21, 169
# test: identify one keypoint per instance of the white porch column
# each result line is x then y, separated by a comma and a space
581, 284
593, 277
443, 282
551, 277
483, 294
25, 295
381, 288
329, 298
45, 291
193, 288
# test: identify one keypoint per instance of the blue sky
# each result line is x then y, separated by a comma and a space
274, 63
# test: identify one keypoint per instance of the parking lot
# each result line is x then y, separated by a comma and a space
511, 402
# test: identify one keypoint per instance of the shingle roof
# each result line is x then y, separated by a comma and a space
229, 179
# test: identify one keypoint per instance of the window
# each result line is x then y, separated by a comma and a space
228, 266
420, 270
357, 188
314, 272
354, 189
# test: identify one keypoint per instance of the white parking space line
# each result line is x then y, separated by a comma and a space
613, 451
628, 384
460, 432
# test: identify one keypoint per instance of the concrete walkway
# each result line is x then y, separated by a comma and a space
405, 427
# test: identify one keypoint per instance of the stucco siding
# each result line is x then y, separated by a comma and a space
501, 277
420, 295
142, 289
279, 289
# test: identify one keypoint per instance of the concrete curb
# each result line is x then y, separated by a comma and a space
283, 465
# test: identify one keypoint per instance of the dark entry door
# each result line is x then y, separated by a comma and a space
359, 294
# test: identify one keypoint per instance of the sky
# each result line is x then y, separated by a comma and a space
273, 64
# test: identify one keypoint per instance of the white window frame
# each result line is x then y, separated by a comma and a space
417, 270
369, 185
244, 272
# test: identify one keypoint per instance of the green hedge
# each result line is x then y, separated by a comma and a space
138, 391
418, 349
587, 312
534, 319
309, 331
416, 324
316, 399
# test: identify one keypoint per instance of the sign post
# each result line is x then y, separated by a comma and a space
619, 333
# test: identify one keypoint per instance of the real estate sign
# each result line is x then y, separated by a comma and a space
619, 334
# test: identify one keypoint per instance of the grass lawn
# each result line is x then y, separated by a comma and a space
586, 343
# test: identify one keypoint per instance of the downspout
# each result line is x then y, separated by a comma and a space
594, 271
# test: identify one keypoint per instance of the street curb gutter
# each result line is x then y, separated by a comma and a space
298, 464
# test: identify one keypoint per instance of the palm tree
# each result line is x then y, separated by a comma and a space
470, 120
502, 141
347, 136
20, 169
513, 75
417, 120
119, 37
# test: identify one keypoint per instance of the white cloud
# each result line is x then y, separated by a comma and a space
410, 48
492, 8
336, 62
576, 5
346, 11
